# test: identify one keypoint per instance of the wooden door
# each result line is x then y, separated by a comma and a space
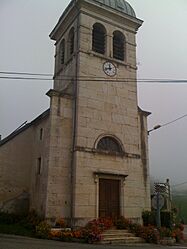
109, 198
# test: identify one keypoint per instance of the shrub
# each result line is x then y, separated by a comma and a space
67, 236
43, 230
33, 218
149, 218
150, 234
165, 232
55, 234
7, 218
60, 222
178, 234
166, 219
136, 229
93, 230
122, 223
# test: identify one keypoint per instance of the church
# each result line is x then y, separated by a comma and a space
87, 155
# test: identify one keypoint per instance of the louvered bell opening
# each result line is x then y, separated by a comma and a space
72, 43
98, 40
62, 50
118, 47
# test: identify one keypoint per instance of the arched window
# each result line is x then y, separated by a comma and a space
98, 38
71, 41
62, 52
109, 144
118, 45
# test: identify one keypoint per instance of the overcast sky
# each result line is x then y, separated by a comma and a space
161, 53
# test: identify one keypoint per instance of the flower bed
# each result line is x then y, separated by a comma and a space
166, 236
91, 233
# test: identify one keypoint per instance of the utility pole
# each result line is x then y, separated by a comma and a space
169, 195
158, 219
158, 202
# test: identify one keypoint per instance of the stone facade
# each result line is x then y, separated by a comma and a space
102, 108
87, 106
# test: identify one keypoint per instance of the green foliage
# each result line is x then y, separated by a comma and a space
149, 218
6, 218
16, 229
93, 230
165, 232
43, 230
177, 233
181, 203
122, 223
19, 225
150, 234
60, 222
33, 219
167, 219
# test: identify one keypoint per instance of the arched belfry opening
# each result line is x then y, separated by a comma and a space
71, 41
99, 38
118, 45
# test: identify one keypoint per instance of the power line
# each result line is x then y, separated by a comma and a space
25, 73
173, 121
168, 123
23, 78
47, 74
86, 78
179, 184
96, 79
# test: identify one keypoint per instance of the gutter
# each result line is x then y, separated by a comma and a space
75, 118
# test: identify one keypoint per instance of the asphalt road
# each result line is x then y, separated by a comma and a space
16, 242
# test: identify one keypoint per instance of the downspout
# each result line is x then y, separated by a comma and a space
75, 117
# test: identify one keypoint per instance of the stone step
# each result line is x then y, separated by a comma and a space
127, 240
111, 231
119, 235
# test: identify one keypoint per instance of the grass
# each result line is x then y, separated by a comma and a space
16, 229
18, 225
181, 203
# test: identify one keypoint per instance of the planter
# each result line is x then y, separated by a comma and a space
61, 229
167, 241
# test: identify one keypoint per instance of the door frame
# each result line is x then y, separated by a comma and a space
110, 176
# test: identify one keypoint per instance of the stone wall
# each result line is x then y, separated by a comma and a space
39, 174
15, 165
60, 155
18, 168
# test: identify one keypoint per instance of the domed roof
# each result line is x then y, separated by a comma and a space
119, 5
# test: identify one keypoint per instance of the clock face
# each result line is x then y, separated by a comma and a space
109, 68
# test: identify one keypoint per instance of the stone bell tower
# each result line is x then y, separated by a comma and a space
98, 158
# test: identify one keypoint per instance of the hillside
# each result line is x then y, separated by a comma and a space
180, 201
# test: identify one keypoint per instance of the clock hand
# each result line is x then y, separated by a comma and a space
108, 68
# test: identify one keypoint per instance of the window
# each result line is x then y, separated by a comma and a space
39, 166
118, 46
41, 133
109, 144
62, 52
98, 38
71, 41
